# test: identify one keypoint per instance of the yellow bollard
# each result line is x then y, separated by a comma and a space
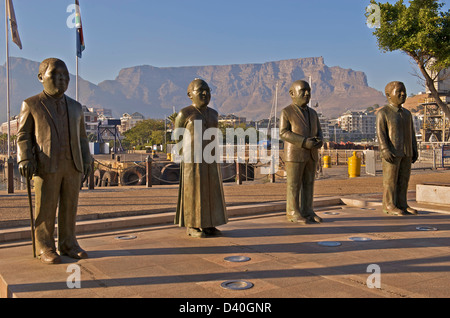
354, 166
169, 156
326, 161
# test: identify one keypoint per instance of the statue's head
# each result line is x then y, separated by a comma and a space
300, 93
395, 93
54, 76
199, 92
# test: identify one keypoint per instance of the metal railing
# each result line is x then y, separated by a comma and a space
428, 159
431, 156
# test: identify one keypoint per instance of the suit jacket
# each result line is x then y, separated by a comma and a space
38, 136
294, 129
395, 131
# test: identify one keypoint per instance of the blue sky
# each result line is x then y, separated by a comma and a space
169, 33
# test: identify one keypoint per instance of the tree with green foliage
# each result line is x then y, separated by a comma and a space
422, 31
147, 132
171, 119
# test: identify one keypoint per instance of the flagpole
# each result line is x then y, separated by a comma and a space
76, 81
8, 111
10, 162
79, 43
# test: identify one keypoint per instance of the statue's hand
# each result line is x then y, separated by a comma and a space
387, 155
309, 143
27, 168
319, 143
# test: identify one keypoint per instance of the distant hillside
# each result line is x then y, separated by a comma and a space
24, 83
412, 103
246, 90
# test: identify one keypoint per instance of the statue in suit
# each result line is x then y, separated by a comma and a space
53, 149
398, 147
201, 203
301, 131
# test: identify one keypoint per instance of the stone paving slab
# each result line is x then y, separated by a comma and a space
286, 260
117, 223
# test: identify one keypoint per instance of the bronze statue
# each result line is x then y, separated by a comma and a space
301, 131
201, 204
398, 148
53, 149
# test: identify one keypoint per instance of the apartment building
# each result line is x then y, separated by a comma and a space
129, 121
360, 124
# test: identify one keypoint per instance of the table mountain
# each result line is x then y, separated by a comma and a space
246, 90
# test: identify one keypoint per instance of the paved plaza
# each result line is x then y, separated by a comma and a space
399, 257
286, 260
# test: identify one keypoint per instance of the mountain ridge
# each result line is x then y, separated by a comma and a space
246, 90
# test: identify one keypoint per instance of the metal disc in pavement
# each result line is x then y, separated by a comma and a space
237, 259
426, 228
329, 243
237, 284
360, 239
126, 237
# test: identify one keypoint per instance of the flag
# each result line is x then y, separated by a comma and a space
79, 27
13, 23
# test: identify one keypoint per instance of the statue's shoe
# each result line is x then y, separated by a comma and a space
296, 218
410, 210
392, 210
75, 252
195, 232
313, 217
50, 257
212, 231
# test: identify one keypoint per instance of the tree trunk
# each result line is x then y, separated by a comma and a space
430, 85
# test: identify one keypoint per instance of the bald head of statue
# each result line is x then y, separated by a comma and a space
54, 76
395, 93
300, 93
199, 93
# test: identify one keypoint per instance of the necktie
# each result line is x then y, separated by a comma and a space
60, 107
305, 112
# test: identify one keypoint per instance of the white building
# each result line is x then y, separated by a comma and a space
232, 119
129, 121
418, 122
360, 123
325, 126
105, 112
13, 124
90, 120
442, 82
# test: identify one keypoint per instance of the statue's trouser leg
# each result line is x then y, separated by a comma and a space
300, 187
46, 196
390, 181
404, 173
293, 177
64, 185
307, 193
